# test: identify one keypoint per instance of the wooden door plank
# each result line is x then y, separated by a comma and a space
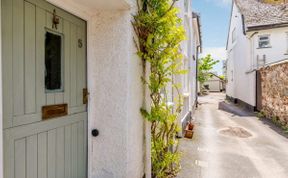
74, 160
68, 151
18, 57
31, 160
81, 65
81, 156
75, 110
60, 153
20, 158
7, 62
50, 99
38, 127
40, 56
51, 149
73, 65
30, 62
42, 155
85, 147
9, 155
59, 98
66, 32
26, 119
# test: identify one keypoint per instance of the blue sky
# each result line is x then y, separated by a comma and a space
215, 15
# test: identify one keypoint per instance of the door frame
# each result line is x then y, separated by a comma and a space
1, 99
89, 55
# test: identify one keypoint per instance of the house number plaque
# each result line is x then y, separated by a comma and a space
52, 111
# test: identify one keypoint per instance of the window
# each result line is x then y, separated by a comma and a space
264, 41
53, 62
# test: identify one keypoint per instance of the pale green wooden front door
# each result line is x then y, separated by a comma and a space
33, 147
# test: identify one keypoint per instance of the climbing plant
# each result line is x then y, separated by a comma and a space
159, 33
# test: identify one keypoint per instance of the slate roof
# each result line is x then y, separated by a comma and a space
257, 14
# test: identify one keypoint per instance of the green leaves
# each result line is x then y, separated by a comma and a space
160, 32
205, 66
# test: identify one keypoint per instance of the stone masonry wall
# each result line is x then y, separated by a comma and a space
274, 81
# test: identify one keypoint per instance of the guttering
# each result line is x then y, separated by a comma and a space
266, 27
198, 19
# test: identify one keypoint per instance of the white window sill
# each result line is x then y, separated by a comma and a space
170, 104
264, 47
186, 94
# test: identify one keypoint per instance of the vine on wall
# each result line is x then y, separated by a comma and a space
160, 32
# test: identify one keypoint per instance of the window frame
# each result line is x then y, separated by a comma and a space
269, 41
62, 89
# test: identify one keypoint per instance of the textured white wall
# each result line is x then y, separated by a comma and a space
187, 81
116, 97
240, 84
214, 85
279, 45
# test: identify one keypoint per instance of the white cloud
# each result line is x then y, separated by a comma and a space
216, 53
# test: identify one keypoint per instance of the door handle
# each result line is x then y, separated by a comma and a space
95, 132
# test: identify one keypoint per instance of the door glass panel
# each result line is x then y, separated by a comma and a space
53, 62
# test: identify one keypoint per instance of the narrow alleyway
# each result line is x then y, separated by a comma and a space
250, 149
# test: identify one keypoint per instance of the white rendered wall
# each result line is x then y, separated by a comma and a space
214, 85
186, 80
279, 45
241, 85
116, 97
230, 85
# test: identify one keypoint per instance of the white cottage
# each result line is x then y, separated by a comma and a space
191, 47
215, 83
75, 61
258, 37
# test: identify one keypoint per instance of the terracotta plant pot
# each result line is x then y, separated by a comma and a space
189, 134
190, 126
189, 130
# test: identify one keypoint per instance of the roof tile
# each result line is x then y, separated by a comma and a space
262, 14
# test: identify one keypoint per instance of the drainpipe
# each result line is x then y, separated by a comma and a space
197, 58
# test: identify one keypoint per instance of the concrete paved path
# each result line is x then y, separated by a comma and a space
217, 152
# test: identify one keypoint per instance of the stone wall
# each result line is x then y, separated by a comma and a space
274, 81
